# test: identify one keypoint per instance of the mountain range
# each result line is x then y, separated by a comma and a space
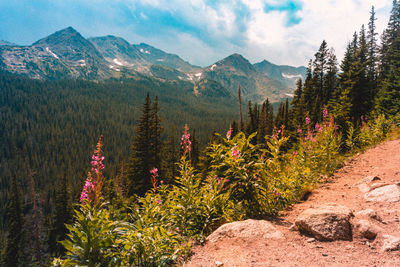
66, 54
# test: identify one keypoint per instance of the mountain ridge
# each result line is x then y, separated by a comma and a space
67, 54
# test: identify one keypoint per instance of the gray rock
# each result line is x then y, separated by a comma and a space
246, 229
368, 213
366, 229
363, 184
388, 193
326, 222
391, 243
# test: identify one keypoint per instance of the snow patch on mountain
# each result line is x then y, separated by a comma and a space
81, 62
198, 75
290, 76
144, 51
51, 53
213, 67
289, 95
116, 61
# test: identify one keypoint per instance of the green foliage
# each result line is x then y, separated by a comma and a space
13, 248
92, 238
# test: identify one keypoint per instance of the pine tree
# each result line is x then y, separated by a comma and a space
62, 216
241, 125
388, 38
13, 247
170, 158
297, 104
388, 98
308, 95
140, 161
155, 132
146, 148
330, 79
372, 49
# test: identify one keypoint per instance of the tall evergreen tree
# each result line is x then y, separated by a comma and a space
140, 161
13, 247
372, 47
170, 170
62, 216
241, 125
155, 134
297, 104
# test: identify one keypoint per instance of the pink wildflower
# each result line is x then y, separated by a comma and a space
154, 175
235, 152
229, 134
299, 130
154, 172
88, 188
325, 112
185, 141
308, 120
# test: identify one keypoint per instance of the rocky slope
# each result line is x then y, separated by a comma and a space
67, 54
353, 219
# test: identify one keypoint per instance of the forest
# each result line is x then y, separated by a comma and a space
144, 194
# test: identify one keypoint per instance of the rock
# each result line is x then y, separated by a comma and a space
219, 263
293, 228
366, 229
310, 240
246, 229
369, 213
363, 183
326, 222
388, 193
377, 185
391, 243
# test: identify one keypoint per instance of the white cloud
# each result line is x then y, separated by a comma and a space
335, 21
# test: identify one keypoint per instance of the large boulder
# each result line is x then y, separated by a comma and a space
246, 229
326, 222
388, 193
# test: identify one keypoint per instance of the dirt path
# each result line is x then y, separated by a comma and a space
299, 250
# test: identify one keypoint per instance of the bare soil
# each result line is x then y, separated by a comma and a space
299, 250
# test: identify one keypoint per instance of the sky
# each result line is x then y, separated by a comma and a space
201, 31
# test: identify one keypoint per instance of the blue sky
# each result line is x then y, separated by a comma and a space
200, 31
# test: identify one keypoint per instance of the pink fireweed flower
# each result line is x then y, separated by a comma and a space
299, 130
185, 141
308, 120
153, 178
154, 172
92, 188
325, 112
229, 134
235, 153
87, 190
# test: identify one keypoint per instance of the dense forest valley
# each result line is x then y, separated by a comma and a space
146, 191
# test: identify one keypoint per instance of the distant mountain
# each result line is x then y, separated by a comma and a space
159, 57
67, 54
64, 54
235, 70
120, 54
287, 75
2, 42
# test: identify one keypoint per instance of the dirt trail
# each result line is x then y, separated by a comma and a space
299, 250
